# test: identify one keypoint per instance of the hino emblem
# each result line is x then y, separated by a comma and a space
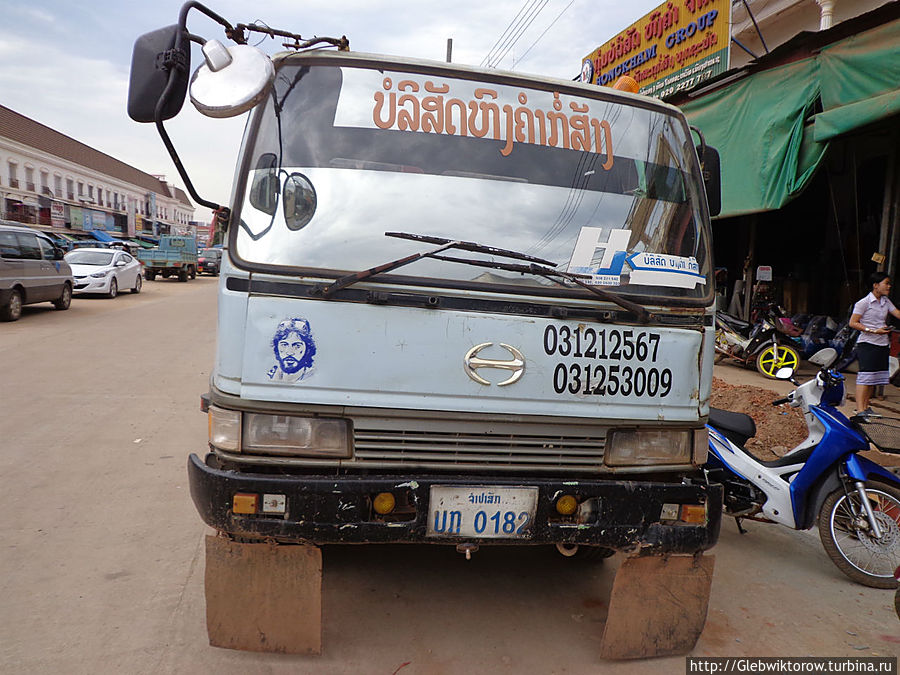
472, 363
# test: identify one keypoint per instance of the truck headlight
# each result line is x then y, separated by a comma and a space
224, 429
632, 447
289, 435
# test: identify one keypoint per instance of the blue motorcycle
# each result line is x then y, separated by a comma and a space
823, 481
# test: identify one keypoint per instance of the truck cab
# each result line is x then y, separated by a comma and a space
462, 307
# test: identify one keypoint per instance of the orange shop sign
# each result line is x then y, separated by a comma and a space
676, 46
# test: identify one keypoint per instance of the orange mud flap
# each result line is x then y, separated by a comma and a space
264, 597
658, 606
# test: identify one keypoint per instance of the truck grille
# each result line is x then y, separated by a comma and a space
435, 449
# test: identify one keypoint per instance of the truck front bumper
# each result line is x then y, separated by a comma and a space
624, 514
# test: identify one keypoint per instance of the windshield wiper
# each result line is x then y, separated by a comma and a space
554, 275
535, 266
444, 244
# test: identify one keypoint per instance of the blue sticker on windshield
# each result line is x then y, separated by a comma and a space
294, 349
602, 257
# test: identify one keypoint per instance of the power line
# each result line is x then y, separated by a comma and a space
518, 60
523, 20
500, 39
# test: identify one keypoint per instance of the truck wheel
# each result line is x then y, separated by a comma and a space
13, 309
192, 272
150, 275
182, 275
166, 274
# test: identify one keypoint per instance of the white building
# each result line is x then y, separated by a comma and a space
55, 182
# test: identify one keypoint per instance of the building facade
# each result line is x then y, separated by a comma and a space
802, 100
54, 182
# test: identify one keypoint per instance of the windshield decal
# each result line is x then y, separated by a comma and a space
657, 269
294, 349
409, 102
641, 267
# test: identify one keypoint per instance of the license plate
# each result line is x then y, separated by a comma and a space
482, 511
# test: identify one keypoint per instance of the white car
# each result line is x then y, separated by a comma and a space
104, 270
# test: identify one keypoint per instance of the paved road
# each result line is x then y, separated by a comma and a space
101, 568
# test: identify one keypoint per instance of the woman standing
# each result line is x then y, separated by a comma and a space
873, 347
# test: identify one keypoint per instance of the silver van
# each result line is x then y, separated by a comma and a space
32, 270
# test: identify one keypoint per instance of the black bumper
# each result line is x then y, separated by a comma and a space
338, 509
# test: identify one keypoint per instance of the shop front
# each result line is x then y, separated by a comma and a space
809, 146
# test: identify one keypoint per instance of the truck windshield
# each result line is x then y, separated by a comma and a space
604, 189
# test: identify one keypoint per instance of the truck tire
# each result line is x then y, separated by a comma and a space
183, 274
166, 274
192, 272
149, 275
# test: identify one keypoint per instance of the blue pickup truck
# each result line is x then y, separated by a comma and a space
175, 256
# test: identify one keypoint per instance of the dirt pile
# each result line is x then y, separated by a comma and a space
778, 428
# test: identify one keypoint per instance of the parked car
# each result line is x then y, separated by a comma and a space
104, 270
210, 261
32, 270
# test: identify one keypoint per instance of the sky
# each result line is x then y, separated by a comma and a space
66, 63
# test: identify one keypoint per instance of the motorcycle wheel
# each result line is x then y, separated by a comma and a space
772, 359
844, 531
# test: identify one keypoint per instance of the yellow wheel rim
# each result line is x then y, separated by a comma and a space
771, 360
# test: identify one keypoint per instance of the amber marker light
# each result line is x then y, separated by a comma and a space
693, 513
626, 83
384, 503
245, 503
566, 505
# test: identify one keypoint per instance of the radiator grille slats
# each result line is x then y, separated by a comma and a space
496, 451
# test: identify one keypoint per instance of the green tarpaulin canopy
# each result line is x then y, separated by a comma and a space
765, 128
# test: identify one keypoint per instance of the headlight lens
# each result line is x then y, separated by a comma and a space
100, 275
225, 429
288, 435
631, 447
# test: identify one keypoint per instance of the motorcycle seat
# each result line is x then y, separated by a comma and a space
736, 427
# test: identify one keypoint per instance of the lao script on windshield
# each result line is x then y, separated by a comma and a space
604, 189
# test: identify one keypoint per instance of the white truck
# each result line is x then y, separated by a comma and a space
457, 307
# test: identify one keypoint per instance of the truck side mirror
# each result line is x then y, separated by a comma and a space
153, 58
712, 178
264, 190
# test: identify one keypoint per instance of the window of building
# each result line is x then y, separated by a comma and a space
29, 179
57, 187
70, 188
45, 182
13, 175
80, 189
90, 191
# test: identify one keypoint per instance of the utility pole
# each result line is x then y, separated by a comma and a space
449, 49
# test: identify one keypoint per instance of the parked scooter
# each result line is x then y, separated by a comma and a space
760, 344
823, 481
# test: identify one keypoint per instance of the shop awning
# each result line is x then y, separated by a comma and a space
773, 126
860, 81
141, 243
100, 235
